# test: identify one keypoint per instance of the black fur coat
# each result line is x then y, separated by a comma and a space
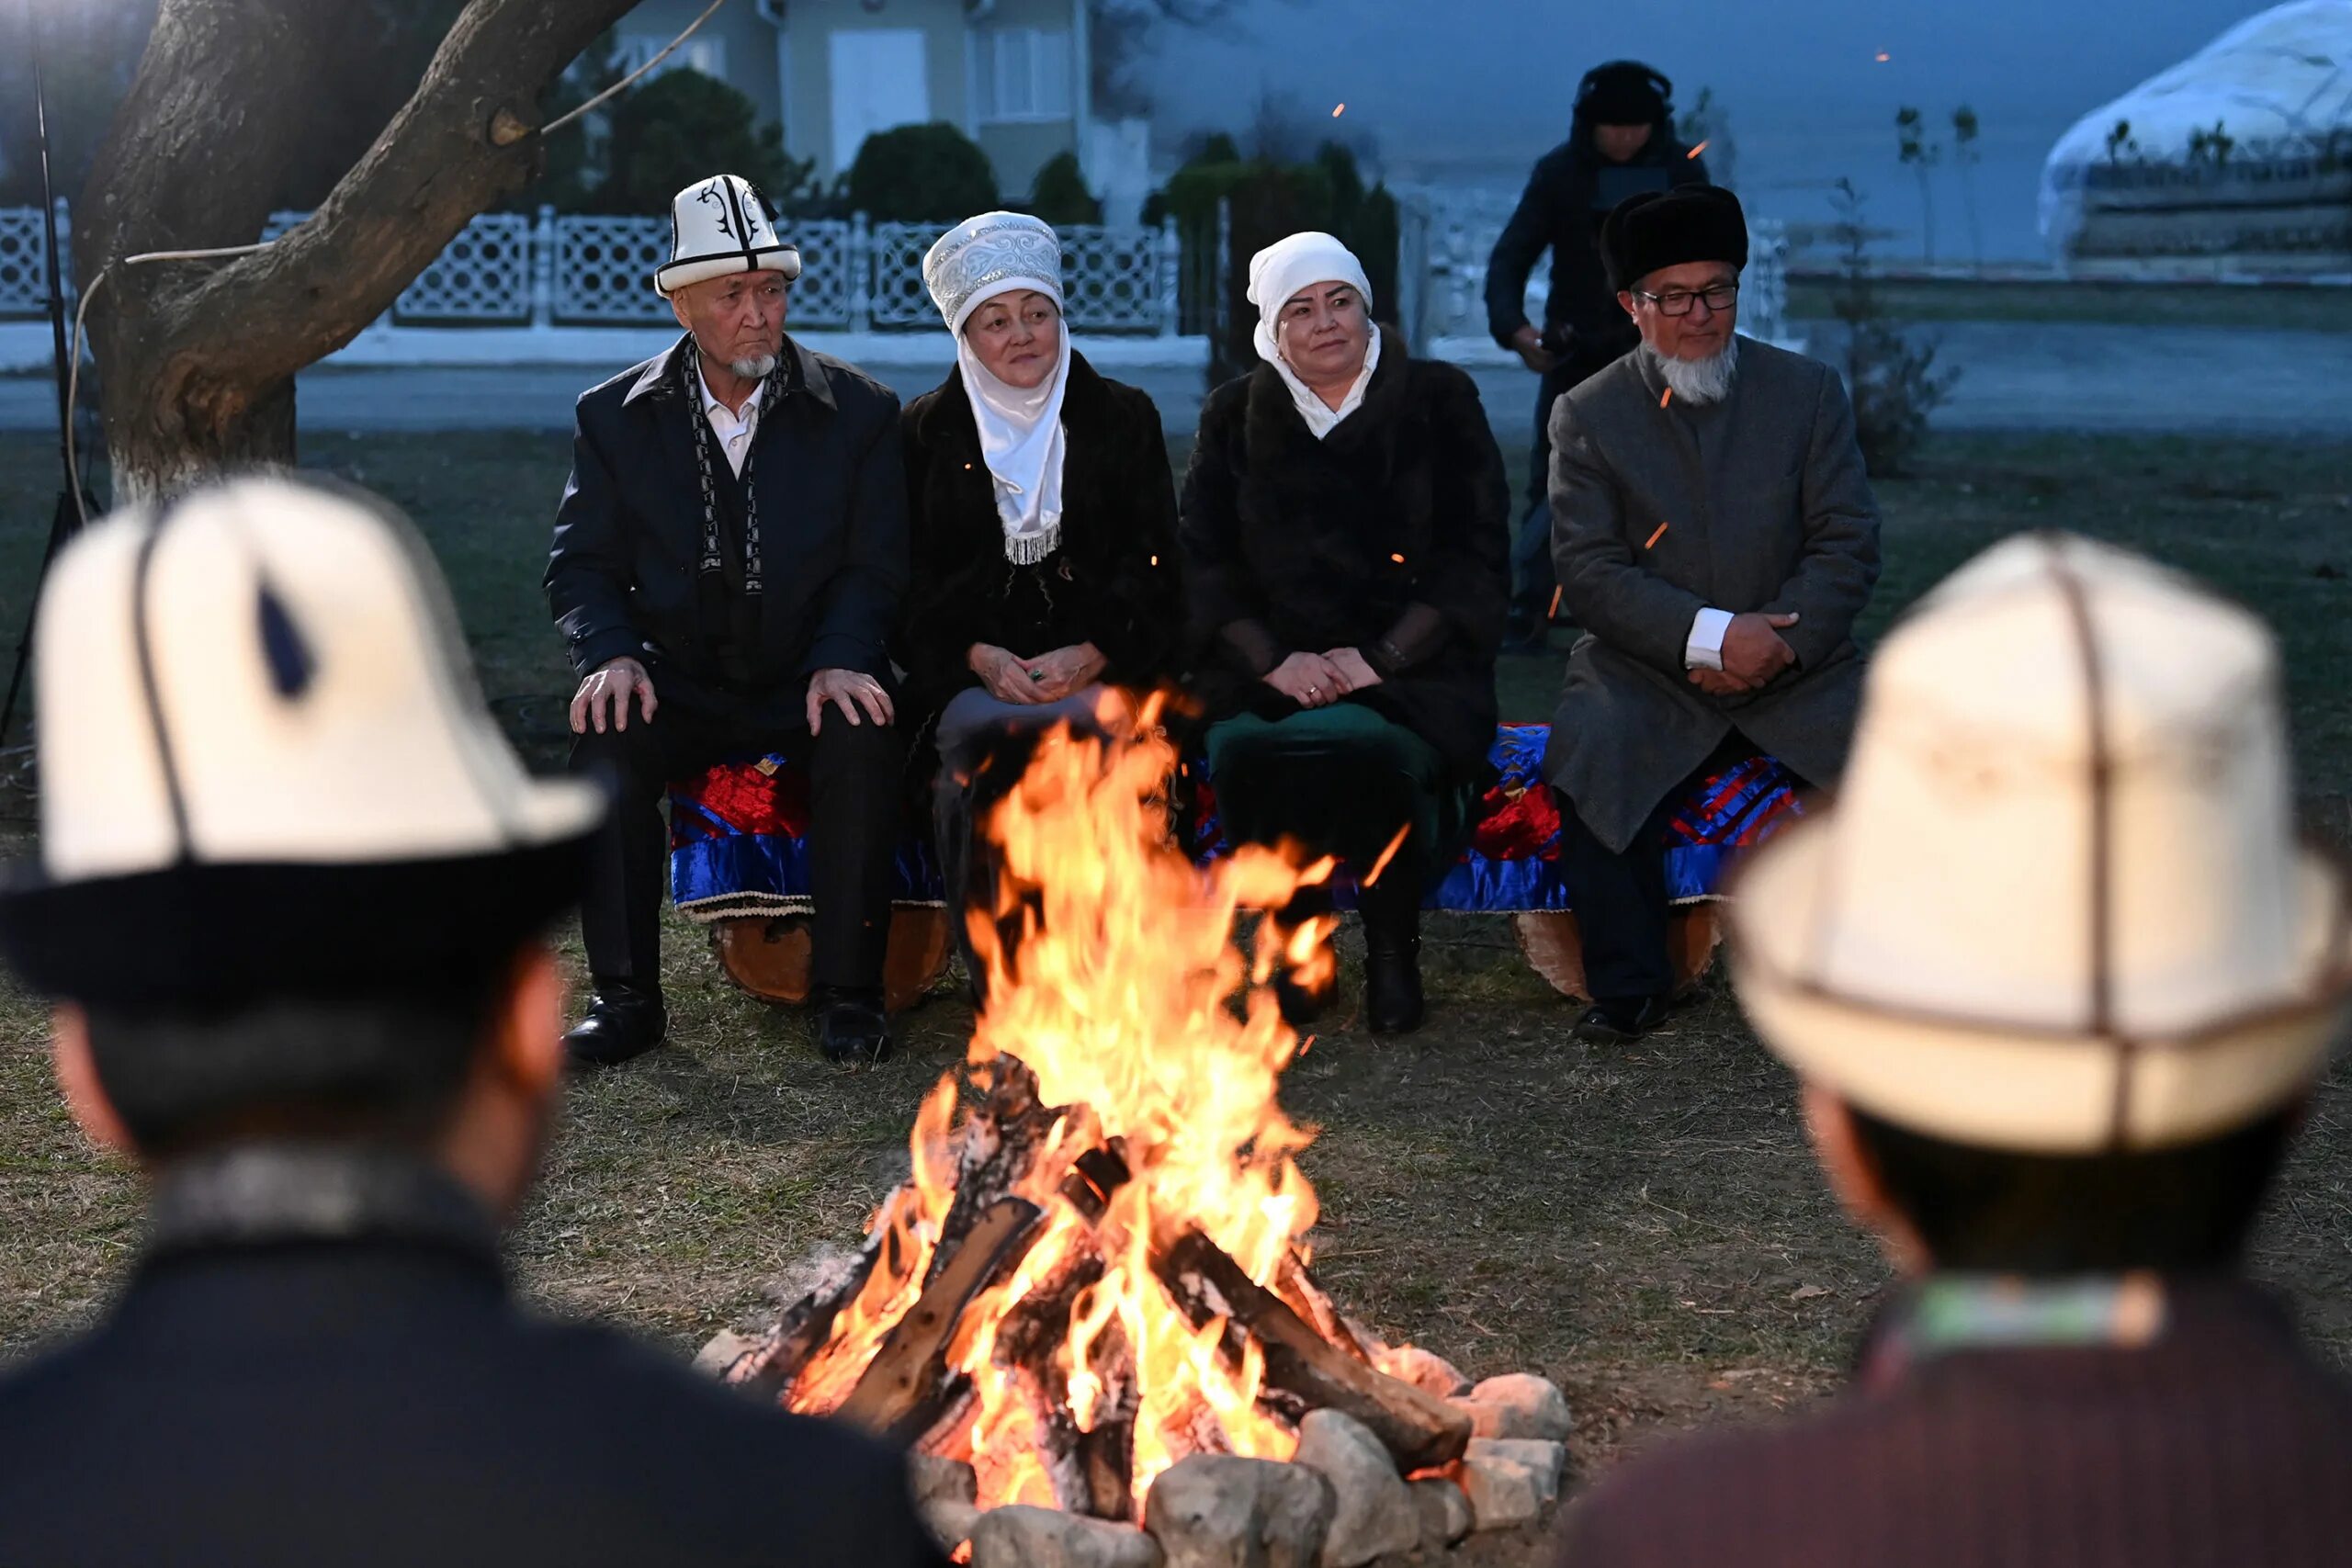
1393, 526
1114, 581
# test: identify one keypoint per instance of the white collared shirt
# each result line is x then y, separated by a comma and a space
734, 431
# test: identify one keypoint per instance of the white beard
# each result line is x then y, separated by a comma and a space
757, 369
1698, 380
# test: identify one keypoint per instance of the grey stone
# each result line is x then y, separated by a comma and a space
1546, 1462
1220, 1511
726, 1349
1426, 1371
1519, 1405
1019, 1535
1501, 1491
937, 1479
1445, 1513
1373, 1511
951, 1523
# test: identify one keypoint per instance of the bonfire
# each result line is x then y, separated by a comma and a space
1098, 1266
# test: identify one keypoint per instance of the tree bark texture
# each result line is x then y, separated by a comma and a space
196, 360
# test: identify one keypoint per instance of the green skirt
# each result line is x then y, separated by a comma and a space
1342, 781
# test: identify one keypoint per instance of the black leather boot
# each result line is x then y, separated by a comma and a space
624, 1019
1391, 973
851, 1026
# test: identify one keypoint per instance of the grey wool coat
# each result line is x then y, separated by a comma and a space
1767, 507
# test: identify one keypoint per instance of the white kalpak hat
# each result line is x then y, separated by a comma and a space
997, 253
718, 227
265, 767
2058, 906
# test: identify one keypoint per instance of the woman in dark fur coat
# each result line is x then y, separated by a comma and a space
1046, 584
1345, 554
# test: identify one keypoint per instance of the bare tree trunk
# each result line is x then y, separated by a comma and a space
196, 360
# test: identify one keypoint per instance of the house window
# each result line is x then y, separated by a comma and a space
708, 55
1021, 74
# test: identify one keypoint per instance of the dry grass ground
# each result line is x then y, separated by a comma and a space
1644, 1224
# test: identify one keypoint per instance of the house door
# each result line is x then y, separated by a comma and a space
879, 80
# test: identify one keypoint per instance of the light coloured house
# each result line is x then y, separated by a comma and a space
1013, 74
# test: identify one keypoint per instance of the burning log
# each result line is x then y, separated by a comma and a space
1421, 1430
769, 1372
1002, 1143
904, 1388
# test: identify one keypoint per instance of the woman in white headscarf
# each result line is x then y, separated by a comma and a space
1043, 518
1346, 557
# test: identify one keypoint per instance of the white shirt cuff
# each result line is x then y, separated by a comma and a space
1704, 649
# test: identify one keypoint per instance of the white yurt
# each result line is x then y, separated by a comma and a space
2235, 162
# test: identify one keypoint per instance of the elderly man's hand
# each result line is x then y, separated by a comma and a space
850, 691
603, 698
1716, 684
1308, 679
1753, 650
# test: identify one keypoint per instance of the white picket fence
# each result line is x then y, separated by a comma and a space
508, 269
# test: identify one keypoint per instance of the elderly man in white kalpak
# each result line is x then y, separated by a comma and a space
728, 561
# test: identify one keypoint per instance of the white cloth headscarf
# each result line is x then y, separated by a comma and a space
1021, 439
1278, 273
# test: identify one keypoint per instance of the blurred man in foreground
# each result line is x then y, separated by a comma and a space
289, 901
2058, 981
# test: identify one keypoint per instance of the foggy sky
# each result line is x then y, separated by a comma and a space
1460, 75
1478, 89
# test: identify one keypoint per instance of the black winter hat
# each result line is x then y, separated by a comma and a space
1660, 229
1623, 92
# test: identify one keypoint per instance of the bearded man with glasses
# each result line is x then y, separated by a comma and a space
1715, 535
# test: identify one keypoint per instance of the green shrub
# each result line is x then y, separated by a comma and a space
1060, 196
920, 173
683, 126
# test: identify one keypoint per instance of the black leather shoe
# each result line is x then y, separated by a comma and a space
1392, 981
851, 1027
1615, 1022
624, 1020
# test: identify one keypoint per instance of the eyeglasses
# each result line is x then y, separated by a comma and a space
1677, 301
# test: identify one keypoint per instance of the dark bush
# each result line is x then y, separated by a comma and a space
1060, 195
922, 173
683, 126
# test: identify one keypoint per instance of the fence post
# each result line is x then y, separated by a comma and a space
543, 269
64, 279
1171, 250
860, 275
1221, 310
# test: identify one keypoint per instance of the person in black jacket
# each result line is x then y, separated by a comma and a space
1046, 584
1345, 542
1619, 142
332, 1051
727, 564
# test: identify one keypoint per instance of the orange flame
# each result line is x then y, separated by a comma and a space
1118, 996
1699, 149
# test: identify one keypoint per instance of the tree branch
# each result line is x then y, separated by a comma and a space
465, 138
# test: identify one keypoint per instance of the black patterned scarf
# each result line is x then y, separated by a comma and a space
707, 458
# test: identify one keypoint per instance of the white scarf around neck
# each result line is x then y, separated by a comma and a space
1022, 442
1321, 417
